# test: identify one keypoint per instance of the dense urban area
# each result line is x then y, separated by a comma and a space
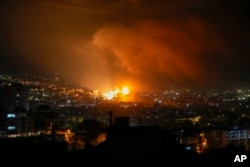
76, 118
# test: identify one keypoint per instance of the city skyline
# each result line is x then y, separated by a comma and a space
143, 44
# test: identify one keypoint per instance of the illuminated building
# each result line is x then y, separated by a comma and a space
14, 103
197, 143
222, 138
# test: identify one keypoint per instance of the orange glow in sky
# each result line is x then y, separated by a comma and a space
161, 45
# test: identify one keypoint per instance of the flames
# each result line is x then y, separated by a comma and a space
120, 93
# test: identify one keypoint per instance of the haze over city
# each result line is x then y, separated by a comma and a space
146, 45
125, 82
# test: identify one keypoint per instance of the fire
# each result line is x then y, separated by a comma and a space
121, 93
125, 90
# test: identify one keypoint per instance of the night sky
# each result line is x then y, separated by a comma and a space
147, 44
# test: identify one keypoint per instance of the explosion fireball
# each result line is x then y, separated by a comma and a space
117, 93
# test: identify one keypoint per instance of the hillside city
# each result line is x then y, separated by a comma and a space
79, 116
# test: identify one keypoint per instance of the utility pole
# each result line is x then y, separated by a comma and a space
110, 118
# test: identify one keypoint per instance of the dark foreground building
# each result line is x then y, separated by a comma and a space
125, 146
134, 146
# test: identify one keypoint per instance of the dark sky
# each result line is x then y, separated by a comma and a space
147, 44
